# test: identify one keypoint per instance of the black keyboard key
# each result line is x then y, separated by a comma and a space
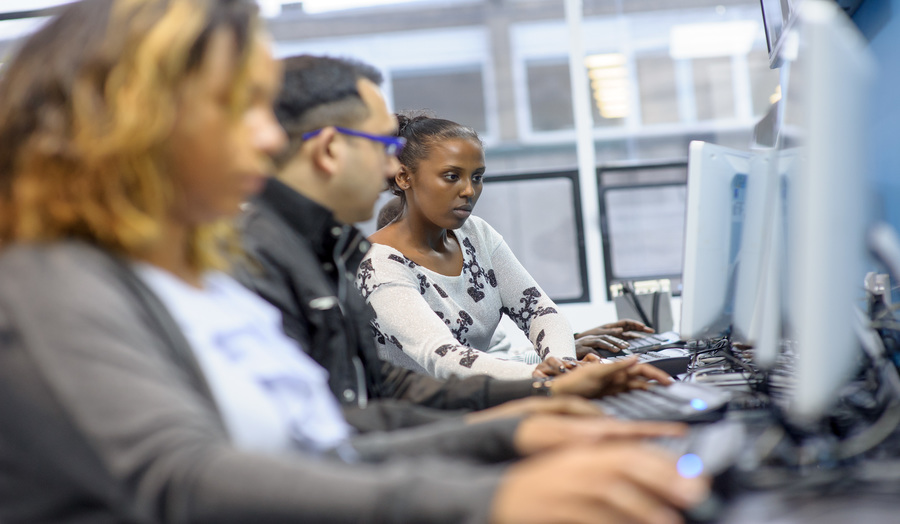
681, 401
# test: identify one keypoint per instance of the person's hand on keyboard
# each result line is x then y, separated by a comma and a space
611, 338
541, 433
596, 379
599, 345
563, 405
609, 483
552, 366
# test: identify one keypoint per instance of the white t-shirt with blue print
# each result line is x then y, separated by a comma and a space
272, 396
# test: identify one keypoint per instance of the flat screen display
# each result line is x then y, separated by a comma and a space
776, 14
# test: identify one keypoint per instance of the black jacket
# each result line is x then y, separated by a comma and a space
304, 262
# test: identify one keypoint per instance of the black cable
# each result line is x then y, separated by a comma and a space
656, 296
627, 290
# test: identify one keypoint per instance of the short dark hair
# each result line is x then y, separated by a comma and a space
320, 91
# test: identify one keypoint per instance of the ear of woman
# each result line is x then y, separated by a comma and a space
402, 178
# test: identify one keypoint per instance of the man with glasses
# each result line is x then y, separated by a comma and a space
303, 253
392, 144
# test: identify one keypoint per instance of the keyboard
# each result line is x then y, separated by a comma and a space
673, 361
652, 342
681, 401
649, 356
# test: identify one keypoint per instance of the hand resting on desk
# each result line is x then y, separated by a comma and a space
608, 338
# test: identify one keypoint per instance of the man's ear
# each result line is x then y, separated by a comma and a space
327, 151
402, 178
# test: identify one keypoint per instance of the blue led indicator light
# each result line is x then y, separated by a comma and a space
690, 466
698, 404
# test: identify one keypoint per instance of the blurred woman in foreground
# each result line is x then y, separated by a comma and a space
140, 384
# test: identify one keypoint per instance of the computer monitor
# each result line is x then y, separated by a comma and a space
776, 15
718, 179
762, 300
831, 73
762, 248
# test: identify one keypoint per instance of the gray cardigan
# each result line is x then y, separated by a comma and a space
106, 417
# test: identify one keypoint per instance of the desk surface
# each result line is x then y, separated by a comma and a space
771, 508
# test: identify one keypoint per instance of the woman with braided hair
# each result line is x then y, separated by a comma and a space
439, 278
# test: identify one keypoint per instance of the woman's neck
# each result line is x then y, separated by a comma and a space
430, 247
423, 236
173, 254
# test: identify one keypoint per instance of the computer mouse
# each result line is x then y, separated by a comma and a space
672, 365
713, 450
605, 353
711, 508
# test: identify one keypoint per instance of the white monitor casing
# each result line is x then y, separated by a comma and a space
830, 79
711, 230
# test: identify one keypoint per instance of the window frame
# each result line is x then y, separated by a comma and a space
421, 49
489, 132
606, 241
577, 213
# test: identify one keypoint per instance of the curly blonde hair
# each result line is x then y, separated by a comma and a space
86, 108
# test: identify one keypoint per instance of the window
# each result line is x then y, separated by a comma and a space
539, 216
642, 224
658, 89
456, 94
550, 97
658, 173
713, 88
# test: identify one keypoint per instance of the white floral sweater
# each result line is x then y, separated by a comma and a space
443, 324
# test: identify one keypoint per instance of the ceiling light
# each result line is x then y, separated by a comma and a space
609, 83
